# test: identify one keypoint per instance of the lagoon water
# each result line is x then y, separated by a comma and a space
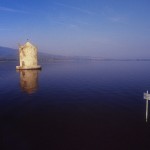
75, 105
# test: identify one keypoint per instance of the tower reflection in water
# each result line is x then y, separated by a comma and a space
147, 98
147, 110
29, 80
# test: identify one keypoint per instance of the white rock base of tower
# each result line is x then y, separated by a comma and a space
28, 68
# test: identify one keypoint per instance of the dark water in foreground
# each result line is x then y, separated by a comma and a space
75, 106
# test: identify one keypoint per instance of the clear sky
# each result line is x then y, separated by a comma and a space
103, 28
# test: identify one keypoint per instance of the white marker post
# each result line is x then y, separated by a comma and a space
147, 97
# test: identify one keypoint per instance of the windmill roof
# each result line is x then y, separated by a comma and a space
28, 44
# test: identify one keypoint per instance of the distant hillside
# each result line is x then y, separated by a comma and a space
9, 54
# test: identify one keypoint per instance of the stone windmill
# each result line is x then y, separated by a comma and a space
28, 57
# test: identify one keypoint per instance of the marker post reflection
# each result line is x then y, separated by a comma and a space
147, 97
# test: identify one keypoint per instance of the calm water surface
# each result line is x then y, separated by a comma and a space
75, 105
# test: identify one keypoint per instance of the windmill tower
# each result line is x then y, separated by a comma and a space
28, 57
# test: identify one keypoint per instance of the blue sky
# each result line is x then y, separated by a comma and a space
103, 28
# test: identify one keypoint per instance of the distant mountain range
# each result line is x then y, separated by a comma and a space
10, 54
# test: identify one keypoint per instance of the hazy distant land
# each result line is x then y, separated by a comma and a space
10, 54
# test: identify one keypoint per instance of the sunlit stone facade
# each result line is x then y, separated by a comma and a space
28, 57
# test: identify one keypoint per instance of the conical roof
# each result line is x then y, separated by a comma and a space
28, 44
